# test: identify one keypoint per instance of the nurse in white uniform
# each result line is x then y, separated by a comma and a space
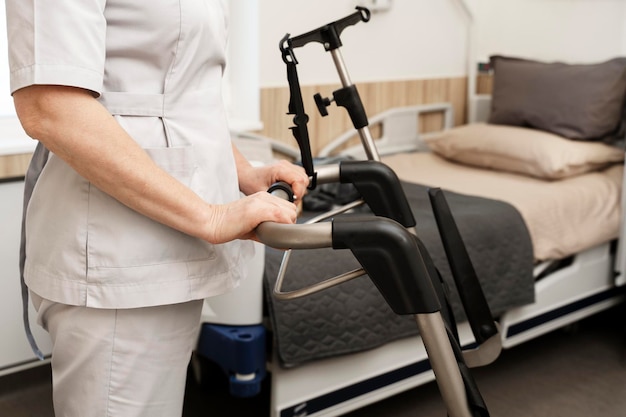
132, 208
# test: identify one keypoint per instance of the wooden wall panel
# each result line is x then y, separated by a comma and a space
484, 84
376, 97
12, 166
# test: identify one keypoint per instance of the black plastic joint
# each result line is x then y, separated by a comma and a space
390, 255
380, 187
349, 98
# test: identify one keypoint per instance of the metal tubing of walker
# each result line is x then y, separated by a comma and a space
444, 364
364, 132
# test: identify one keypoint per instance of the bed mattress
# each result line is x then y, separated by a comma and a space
563, 217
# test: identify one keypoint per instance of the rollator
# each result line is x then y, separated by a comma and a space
385, 243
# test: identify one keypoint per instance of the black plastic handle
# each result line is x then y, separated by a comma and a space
380, 187
282, 190
390, 255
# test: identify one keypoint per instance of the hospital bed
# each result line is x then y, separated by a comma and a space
573, 265
567, 288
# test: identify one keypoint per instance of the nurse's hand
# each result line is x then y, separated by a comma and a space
254, 179
261, 178
238, 220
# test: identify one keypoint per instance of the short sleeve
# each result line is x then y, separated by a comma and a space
59, 42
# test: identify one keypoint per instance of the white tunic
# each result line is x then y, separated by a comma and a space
157, 66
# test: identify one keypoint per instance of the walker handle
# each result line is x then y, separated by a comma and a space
311, 235
293, 236
282, 190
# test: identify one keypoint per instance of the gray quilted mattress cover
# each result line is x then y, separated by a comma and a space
354, 316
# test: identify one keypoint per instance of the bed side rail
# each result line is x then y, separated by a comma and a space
400, 129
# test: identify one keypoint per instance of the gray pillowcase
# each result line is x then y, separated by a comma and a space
582, 102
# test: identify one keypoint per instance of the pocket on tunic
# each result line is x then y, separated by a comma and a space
119, 237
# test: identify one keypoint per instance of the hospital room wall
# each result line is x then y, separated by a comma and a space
417, 51
423, 51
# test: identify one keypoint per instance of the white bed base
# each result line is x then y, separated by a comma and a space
332, 387
335, 386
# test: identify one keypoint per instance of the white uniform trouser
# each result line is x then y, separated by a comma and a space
119, 363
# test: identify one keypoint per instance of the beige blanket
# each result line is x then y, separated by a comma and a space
563, 216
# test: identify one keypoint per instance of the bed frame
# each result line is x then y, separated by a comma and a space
566, 291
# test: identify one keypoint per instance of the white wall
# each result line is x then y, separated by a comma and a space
413, 39
433, 38
576, 31
422, 38
6, 102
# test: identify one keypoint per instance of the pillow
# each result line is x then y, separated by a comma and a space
581, 102
522, 150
